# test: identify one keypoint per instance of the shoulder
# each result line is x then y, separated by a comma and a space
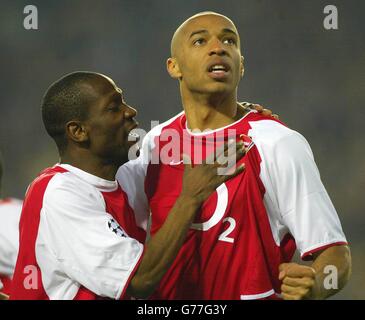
60, 188
148, 145
67, 184
11, 202
10, 208
172, 123
272, 136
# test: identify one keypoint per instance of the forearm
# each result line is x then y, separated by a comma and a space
163, 247
332, 279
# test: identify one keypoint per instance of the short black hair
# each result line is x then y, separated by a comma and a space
65, 100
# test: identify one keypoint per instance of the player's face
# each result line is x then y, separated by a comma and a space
209, 58
110, 122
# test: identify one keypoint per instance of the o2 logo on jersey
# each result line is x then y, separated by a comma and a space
222, 203
115, 228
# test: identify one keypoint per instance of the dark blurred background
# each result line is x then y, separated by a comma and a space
312, 77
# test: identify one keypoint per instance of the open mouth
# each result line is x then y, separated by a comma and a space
218, 70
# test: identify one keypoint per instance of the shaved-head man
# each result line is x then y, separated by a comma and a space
78, 236
242, 240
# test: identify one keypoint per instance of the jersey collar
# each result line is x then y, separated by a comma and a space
101, 184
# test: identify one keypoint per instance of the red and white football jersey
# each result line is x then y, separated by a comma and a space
78, 238
251, 224
10, 210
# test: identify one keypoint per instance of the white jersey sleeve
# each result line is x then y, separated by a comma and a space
295, 195
75, 242
10, 210
131, 177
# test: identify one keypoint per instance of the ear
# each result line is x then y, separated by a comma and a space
173, 68
242, 69
76, 131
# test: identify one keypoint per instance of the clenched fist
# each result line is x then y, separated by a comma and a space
298, 281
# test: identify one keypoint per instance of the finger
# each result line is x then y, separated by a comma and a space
226, 176
282, 274
295, 270
210, 159
290, 297
284, 266
246, 107
246, 104
245, 138
301, 272
230, 157
234, 158
258, 108
302, 292
230, 167
266, 112
275, 116
299, 282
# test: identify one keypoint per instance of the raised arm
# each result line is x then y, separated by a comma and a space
198, 183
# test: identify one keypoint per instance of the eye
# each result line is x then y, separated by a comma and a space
229, 41
198, 42
113, 108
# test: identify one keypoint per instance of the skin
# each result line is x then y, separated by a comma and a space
211, 103
99, 145
4, 296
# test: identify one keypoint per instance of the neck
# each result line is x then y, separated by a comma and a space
210, 111
90, 164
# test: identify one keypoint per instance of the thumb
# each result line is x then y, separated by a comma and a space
282, 268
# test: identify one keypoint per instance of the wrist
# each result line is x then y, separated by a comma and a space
189, 201
318, 290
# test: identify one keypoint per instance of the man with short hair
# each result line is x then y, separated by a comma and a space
241, 243
78, 235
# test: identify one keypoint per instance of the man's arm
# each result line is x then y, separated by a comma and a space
309, 282
161, 250
296, 197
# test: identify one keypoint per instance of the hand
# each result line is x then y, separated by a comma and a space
298, 281
260, 109
200, 181
3, 296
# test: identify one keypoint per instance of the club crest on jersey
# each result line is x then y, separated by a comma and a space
247, 142
116, 228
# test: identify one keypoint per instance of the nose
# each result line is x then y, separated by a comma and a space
217, 48
130, 112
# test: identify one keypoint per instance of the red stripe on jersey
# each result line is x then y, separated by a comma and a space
307, 256
22, 289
